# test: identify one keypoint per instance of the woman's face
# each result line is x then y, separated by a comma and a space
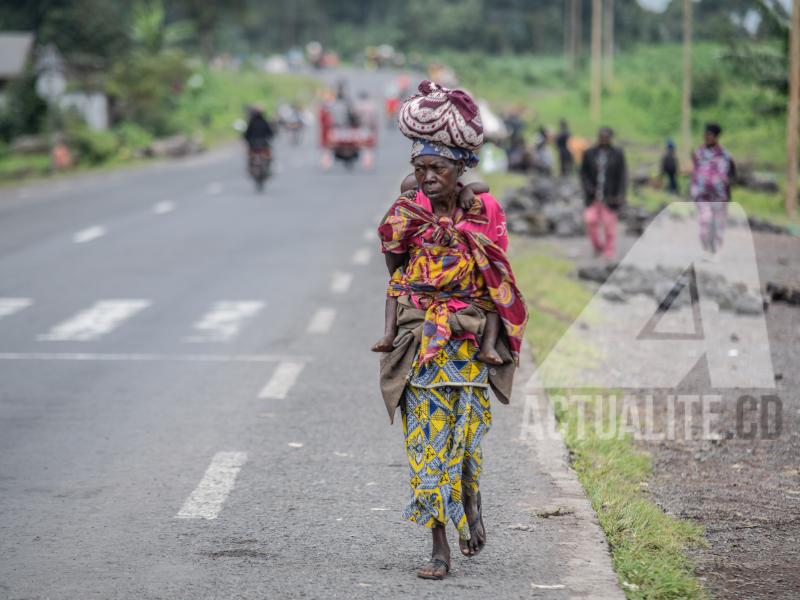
437, 176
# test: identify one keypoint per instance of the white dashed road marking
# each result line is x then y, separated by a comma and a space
362, 256
282, 380
89, 234
162, 208
207, 499
224, 321
96, 321
8, 306
340, 282
321, 321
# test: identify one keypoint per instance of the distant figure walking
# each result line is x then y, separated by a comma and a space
712, 174
669, 167
543, 155
604, 180
565, 159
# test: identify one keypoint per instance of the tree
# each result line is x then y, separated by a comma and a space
150, 32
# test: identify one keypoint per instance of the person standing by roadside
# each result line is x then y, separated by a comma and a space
669, 167
712, 174
562, 143
604, 180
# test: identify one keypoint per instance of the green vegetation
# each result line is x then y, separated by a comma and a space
763, 205
207, 108
647, 545
643, 105
220, 97
643, 102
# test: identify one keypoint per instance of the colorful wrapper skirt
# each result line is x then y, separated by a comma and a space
446, 412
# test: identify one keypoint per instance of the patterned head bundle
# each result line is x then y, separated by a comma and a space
438, 114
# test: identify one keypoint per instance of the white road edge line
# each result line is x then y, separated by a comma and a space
321, 321
362, 256
89, 234
206, 501
340, 282
282, 380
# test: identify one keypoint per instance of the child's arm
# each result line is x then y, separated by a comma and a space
466, 196
468, 192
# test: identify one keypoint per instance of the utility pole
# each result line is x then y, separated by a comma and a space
576, 31
597, 51
609, 41
567, 36
792, 110
686, 104
572, 33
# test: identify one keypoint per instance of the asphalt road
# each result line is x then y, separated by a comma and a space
188, 406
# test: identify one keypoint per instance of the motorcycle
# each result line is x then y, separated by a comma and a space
346, 145
259, 165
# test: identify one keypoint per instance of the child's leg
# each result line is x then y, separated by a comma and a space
488, 352
389, 327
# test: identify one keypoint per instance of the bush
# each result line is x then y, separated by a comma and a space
132, 137
145, 89
93, 147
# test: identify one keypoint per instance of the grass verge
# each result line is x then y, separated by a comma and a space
647, 545
208, 110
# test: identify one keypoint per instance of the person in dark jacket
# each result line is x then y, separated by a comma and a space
259, 132
562, 143
669, 167
604, 180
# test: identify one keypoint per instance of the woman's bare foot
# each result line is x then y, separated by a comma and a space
439, 564
489, 356
385, 344
474, 512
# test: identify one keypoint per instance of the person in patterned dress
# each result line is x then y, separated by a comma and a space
448, 270
712, 174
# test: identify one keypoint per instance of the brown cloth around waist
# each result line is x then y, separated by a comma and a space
395, 366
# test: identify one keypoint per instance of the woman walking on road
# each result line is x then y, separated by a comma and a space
448, 270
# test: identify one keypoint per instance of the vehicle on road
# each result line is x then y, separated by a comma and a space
259, 165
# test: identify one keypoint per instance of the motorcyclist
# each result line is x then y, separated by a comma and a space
259, 132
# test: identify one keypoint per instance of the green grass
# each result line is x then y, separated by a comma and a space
223, 96
208, 110
765, 206
23, 165
647, 546
642, 104
500, 183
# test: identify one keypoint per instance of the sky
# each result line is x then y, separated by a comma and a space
654, 5
660, 5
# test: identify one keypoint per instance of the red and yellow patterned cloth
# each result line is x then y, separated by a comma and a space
453, 262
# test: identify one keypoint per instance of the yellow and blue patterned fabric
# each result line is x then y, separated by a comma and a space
446, 413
